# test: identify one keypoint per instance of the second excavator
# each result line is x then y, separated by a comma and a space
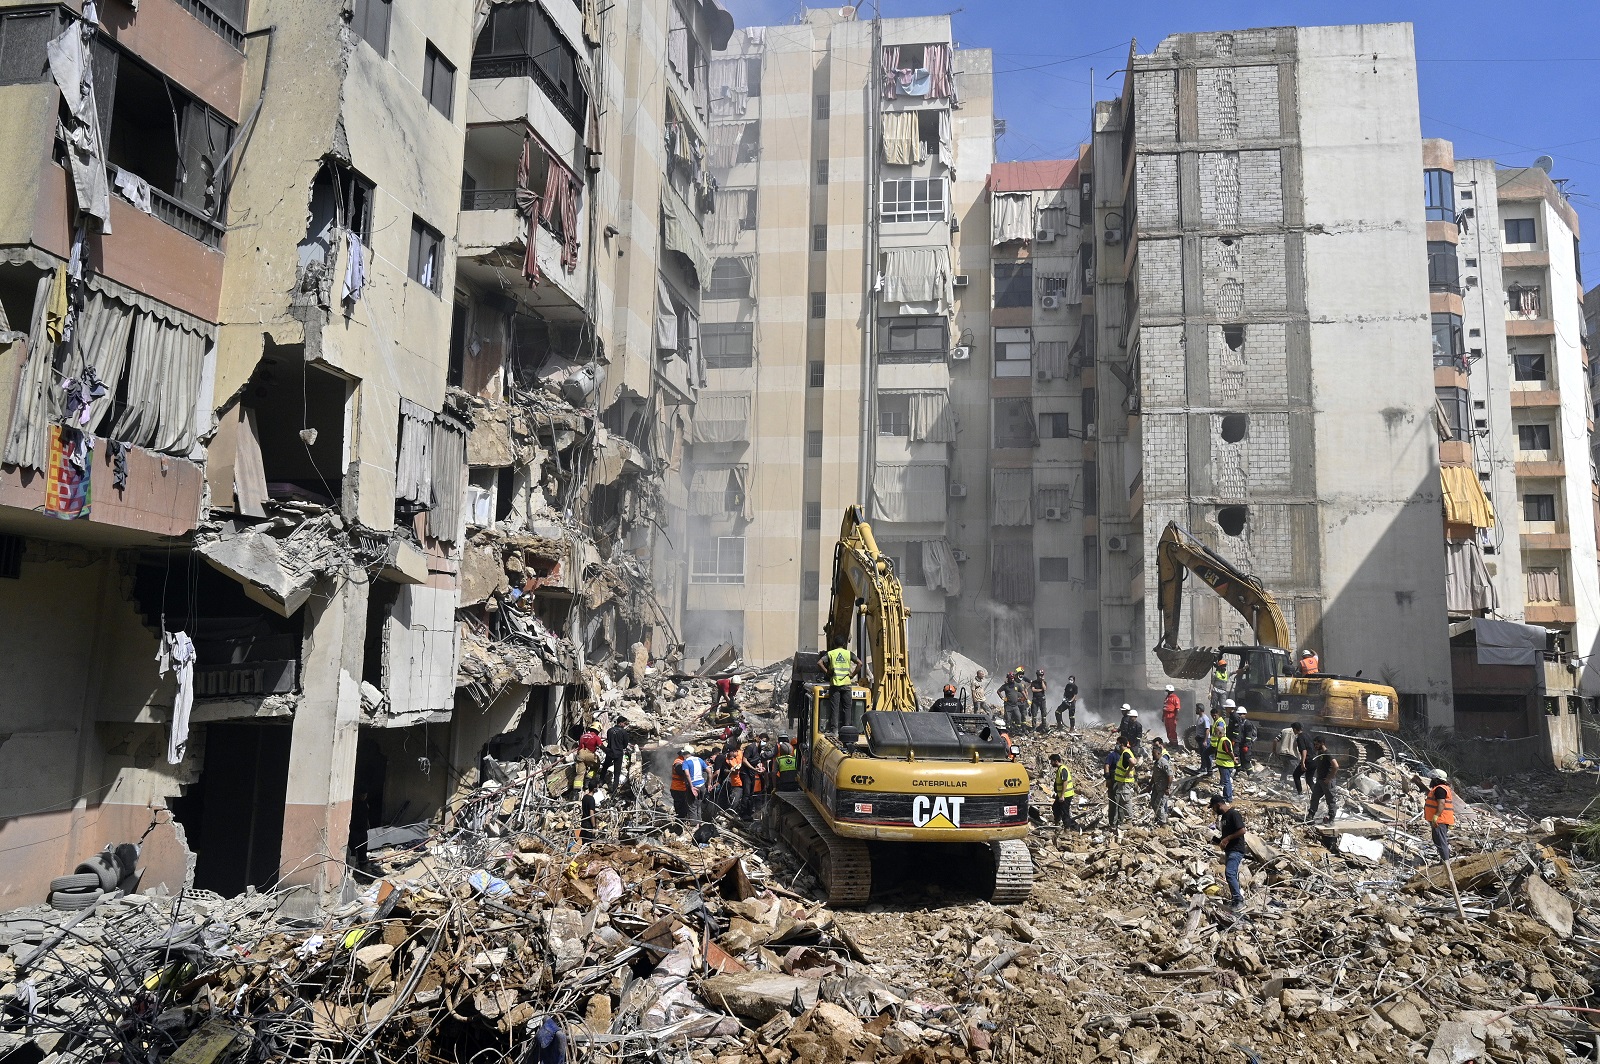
884, 772
1353, 713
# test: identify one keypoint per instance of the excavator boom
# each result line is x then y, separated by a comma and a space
864, 579
1178, 554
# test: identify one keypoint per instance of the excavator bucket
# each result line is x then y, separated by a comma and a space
1192, 663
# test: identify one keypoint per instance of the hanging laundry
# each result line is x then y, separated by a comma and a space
119, 463
67, 481
55, 308
177, 654
918, 84
355, 270
133, 188
81, 394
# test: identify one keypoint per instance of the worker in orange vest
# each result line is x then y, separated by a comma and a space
1310, 664
1439, 809
1169, 714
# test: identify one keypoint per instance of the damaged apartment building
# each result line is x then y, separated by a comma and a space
345, 432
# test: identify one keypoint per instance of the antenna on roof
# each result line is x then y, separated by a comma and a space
1545, 163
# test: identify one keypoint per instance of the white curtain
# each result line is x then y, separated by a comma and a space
413, 475
918, 275
449, 453
1011, 573
733, 207
1050, 358
666, 318
35, 388
720, 491
730, 85
1468, 588
939, 566
1011, 493
726, 141
101, 341
901, 146
1544, 585
1013, 638
722, 417
1011, 216
1054, 499
910, 492
677, 42
946, 139
932, 419
163, 381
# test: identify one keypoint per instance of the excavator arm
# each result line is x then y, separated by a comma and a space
1177, 555
864, 579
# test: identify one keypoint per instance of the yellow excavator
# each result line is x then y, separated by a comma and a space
885, 771
1266, 682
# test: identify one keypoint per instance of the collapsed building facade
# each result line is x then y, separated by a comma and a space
344, 426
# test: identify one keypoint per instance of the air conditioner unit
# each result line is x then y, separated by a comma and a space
1088, 277
1089, 430
1044, 375
958, 554
1045, 236
1120, 657
1121, 642
1088, 186
1117, 543
1052, 513
958, 491
960, 280
1113, 236
961, 354
1051, 302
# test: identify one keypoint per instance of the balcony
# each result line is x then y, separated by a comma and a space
1556, 469
492, 68
161, 499
528, 64
492, 240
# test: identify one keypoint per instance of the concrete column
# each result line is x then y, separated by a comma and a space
322, 751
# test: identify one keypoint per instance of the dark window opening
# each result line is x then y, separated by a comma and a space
1539, 508
1529, 365
1235, 427
1233, 336
370, 21
822, 171
426, 259
727, 345
1091, 561
823, 108
1232, 519
23, 37
1013, 284
438, 80
813, 443
1087, 410
914, 339
11, 551
340, 199
1054, 426
1444, 267
819, 304
1440, 195
1533, 437
816, 373
521, 40
505, 493
458, 346
1091, 490
299, 417
1054, 570
813, 516
233, 814
819, 238
907, 561
752, 76
1521, 231
1013, 423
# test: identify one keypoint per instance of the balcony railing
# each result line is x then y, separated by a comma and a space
489, 199
226, 27
524, 66
185, 219
1457, 362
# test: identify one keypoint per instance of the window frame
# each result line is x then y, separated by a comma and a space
433, 61
821, 175
1017, 404
920, 330
1053, 419
1061, 566
1532, 225
1534, 428
819, 237
822, 107
1003, 345
718, 353
1522, 362
816, 373
721, 569
814, 443
1452, 327
1457, 406
813, 516
1538, 499
911, 199
361, 22
1015, 289
421, 231
894, 416
1439, 195
819, 306
1444, 266
718, 286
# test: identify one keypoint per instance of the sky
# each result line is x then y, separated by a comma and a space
1509, 82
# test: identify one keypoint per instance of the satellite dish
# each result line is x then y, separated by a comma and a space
1545, 163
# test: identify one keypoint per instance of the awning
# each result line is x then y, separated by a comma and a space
1011, 217
911, 492
1508, 643
1464, 500
722, 417
1011, 493
682, 232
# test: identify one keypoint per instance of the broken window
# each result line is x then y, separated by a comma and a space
370, 21
1013, 423
299, 422
426, 244
728, 345
341, 199
23, 37
1232, 519
1233, 336
521, 40
438, 80
1013, 284
915, 339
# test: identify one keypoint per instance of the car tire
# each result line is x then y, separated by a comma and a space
68, 902
77, 883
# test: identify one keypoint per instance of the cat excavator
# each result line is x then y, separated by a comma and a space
1352, 713
885, 772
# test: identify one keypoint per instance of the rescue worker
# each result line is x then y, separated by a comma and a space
1063, 790
1069, 703
1007, 707
680, 785
1230, 837
841, 667
786, 767
587, 760
589, 813
1202, 737
725, 692
693, 769
1018, 711
1219, 723
1160, 779
1324, 779
1124, 773
1310, 664
617, 740
1302, 755
1439, 810
1012, 753
756, 752
1036, 712
1169, 714
1227, 761
1246, 734
1219, 684
733, 781
1130, 727
948, 703
980, 691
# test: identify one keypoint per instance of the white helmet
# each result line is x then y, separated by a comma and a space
1440, 774
999, 722
1126, 708
1228, 703
1171, 688
1241, 712
1306, 653
688, 750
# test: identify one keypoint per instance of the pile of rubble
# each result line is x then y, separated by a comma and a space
496, 930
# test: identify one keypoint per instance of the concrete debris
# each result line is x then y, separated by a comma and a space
278, 562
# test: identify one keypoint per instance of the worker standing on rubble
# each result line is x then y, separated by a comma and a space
786, 766
1130, 727
1227, 761
679, 784
1169, 714
589, 813
1201, 733
726, 693
1324, 779
1063, 790
1124, 774
980, 691
1230, 837
617, 740
692, 770
1245, 737
1439, 810
1036, 711
948, 703
841, 667
1069, 703
588, 756
1160, 779
755, 766
1302, 755
1219, 723
1007, 708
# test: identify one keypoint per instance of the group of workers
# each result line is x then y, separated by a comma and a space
745, 768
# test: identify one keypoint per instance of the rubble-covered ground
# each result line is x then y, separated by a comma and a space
493, 932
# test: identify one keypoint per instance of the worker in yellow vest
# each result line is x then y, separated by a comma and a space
840, 668
1124, 773
1064, 790
1227, 761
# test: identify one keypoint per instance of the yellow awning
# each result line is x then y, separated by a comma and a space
1464, 500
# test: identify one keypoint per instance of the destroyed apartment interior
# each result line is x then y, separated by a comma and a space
678, 530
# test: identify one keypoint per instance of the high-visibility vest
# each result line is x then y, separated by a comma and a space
1310, 665
787, 768
1219, 674
1225, 753
839, 666
1065, 787
680, 781
1440, 807
735, 768
1126, 761
1219, 731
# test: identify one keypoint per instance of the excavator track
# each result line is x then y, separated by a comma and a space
1013, 872
844, 865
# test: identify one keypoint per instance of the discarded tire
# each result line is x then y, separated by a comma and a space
106, 869
76, 883
70, 901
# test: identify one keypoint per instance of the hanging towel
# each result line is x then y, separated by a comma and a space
177, 654
133, 188
55, 310
355, 270
67, 476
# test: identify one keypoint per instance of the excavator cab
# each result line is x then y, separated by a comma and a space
1256, 684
